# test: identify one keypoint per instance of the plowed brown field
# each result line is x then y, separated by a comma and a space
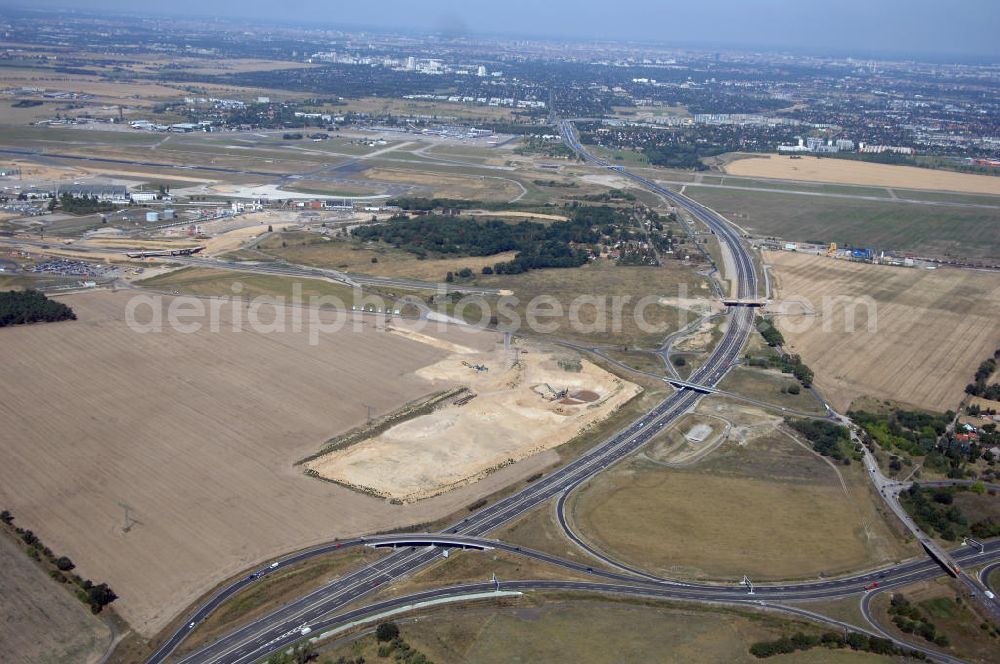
198, 434
933, 328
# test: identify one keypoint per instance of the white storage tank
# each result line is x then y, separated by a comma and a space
152, 216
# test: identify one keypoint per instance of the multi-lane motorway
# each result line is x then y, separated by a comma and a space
319, 609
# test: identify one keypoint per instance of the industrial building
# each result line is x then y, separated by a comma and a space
818, 145
115, 193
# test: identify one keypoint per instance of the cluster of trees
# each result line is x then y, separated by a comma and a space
688, 147
550, 253
771, 334
910, 620
609, 196
833, 640
392, 644
82, 204
951, 457
302, 652
827, 438
979, 387
537, 245
793, 364
465, 273
912, 432
97, 596
31, 306
554, 183
680, 156
934, 511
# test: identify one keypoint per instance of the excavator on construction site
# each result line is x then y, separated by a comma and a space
556, 394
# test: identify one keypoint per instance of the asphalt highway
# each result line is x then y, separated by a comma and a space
607, 582
249, 642
282, 627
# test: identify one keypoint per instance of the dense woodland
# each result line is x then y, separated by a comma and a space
833, 640
935, 511
31, 306
827, 438
559, 244
911, 432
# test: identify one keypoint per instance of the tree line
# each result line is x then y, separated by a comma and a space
833, 640
910, 620
31, 306
979, 386
771, 334
97, 596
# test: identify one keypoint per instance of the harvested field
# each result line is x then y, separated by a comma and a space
848, 171
787, 507
932, 328
40, 620
520, 409
198, 433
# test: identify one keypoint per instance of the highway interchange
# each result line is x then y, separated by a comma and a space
324, 607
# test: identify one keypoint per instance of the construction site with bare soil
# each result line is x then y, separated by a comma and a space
519, 402
176, 451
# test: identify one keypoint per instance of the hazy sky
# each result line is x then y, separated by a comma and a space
921, 27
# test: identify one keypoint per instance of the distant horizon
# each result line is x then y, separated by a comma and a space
965, 49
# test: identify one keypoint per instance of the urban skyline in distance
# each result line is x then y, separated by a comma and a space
443, 333
961, 31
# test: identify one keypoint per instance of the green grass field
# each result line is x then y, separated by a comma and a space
605, 280
210, 282
936, 601
766, 385
783, 504
925, 229
593, 630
